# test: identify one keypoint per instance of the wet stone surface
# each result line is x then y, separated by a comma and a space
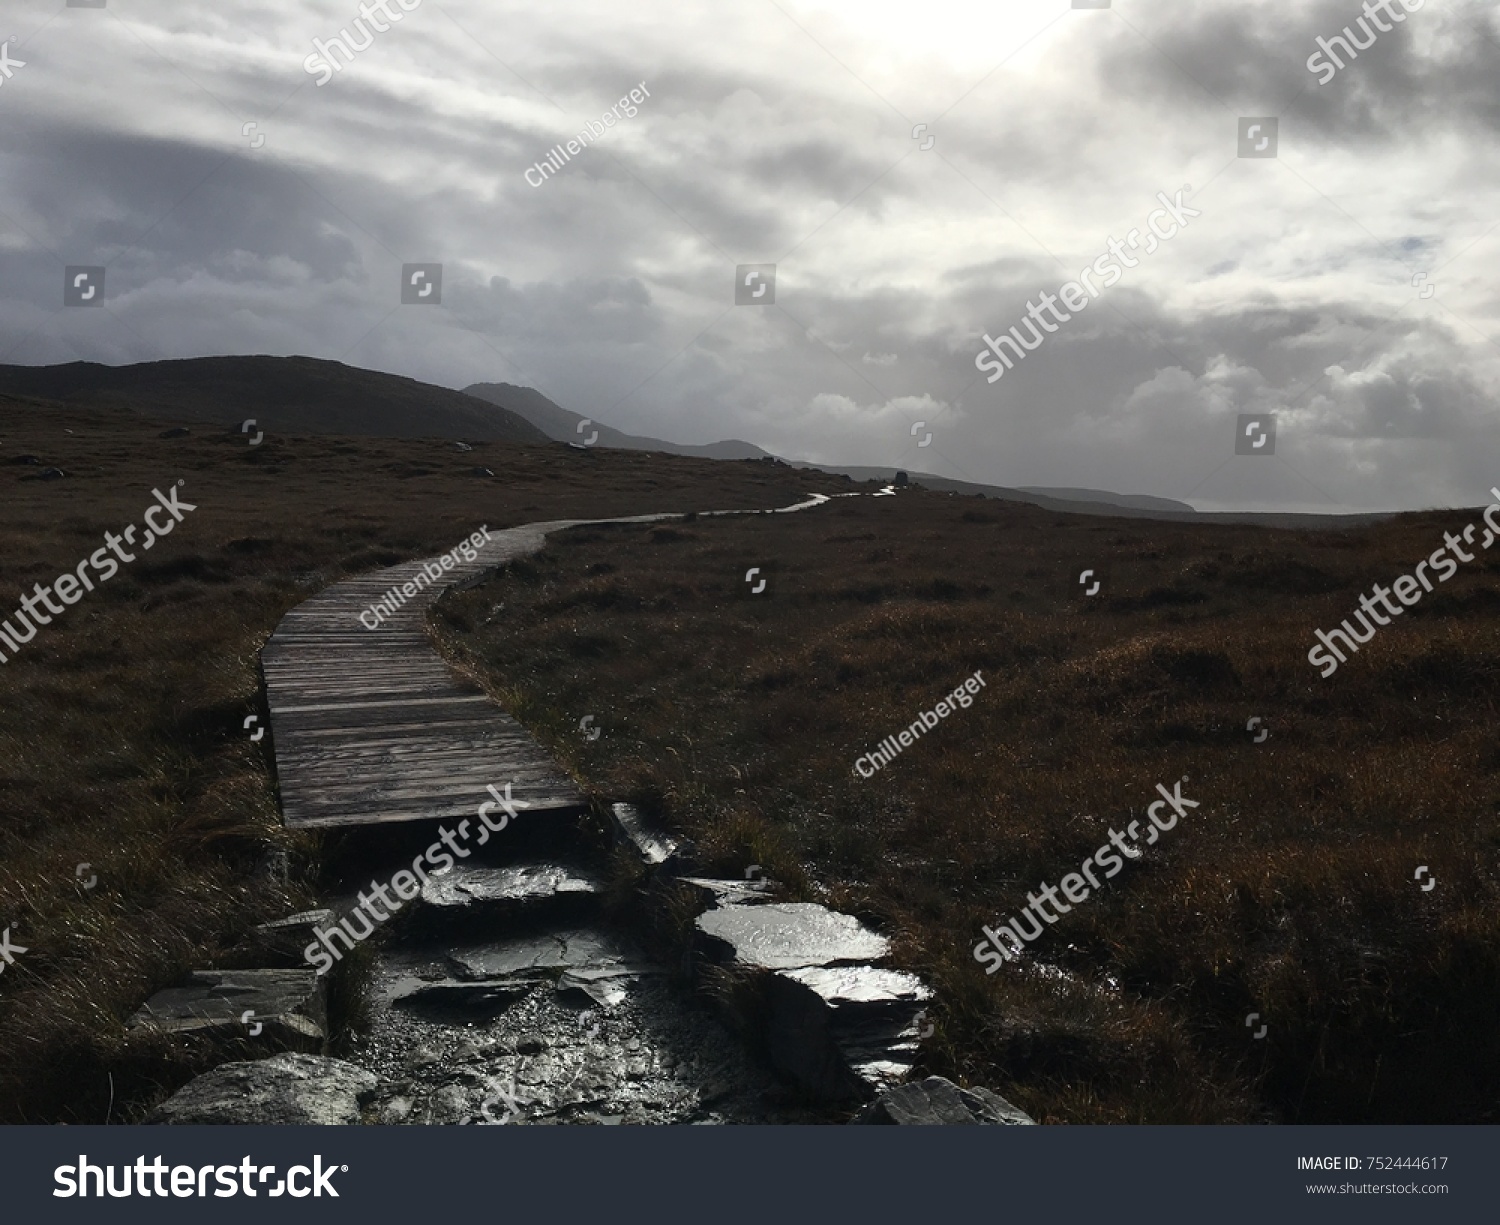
552, 1056
285, 1090
790, 935
288, 1006
464, 887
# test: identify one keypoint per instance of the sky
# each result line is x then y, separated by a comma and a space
919, 174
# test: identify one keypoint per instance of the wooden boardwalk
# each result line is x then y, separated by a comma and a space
371, 726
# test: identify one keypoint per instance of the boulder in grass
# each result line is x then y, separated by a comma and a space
286, 1090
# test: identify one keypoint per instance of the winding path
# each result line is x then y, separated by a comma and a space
372, 727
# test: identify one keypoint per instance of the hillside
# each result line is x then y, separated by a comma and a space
561, 425
285, 395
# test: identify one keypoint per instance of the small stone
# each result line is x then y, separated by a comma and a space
630, 827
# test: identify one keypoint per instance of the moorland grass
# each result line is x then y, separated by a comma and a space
1289, 893
122, 738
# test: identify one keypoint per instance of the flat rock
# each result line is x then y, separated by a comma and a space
939, 1102
452, 998
286, 1008
465, 886
286, 1089
282, 942
790, 935
305, 920
563, 950
732, 892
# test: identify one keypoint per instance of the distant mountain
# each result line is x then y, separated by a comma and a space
1136, 501
562, 425
1053, 499
287, 395
1113, 505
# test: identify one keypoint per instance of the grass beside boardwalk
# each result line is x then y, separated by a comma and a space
1289, 893
122, 739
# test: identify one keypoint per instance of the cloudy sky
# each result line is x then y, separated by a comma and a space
787, 132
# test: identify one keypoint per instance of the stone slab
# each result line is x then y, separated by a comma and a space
279, 1007
287, 1090
789, 936
939, 1102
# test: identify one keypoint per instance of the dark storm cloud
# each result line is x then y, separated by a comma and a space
787, 136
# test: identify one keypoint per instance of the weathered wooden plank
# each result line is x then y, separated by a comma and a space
371, 727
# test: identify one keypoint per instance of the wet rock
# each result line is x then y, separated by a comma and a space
631, 829
732, 892
843, 1032
561, 950
303, 921
48, 474
177, 431
451, 1000
287, 1089
788, 936
605, 985
939, 1102
278, 1008
465, 889
281, 941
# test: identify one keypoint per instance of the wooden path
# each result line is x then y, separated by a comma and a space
371, 726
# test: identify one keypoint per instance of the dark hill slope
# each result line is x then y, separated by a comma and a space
285, 395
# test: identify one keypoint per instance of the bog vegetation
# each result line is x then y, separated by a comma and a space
1291, 893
